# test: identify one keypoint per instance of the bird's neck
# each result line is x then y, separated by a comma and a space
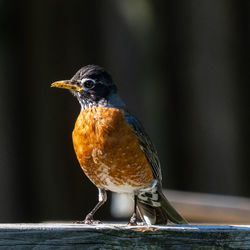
114, 101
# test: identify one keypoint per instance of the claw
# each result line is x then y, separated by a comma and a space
88, 220
133, 220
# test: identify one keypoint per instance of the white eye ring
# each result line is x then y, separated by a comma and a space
88, 83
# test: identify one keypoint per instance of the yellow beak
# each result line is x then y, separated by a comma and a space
66, 84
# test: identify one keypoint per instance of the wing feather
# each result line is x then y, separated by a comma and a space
146, 146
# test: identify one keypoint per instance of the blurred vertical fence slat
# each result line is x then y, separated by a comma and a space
204, 77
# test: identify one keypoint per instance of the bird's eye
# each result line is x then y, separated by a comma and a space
88, 84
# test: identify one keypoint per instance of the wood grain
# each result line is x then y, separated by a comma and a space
120, 236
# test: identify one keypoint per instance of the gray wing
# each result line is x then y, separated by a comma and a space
146, 146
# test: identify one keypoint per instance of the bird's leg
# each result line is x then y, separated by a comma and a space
133, 219
102, 199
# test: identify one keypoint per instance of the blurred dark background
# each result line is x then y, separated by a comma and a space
180, 66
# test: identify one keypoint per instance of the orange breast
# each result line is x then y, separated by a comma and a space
108, 150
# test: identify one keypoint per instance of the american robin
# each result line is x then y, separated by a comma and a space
113, 148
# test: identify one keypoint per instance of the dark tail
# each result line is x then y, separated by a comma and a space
154, 208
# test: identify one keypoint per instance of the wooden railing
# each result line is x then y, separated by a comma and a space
196, 207
120, 236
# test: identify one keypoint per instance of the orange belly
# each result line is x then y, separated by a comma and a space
109, 151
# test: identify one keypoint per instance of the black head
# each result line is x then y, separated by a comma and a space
92, 85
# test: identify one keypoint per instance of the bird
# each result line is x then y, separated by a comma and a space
114, 150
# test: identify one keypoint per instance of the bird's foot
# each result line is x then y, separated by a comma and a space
88, 220
133, 220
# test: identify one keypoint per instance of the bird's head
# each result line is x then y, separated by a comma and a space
92, 85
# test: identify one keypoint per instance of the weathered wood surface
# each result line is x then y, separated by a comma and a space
118, 236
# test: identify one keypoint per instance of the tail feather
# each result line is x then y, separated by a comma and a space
154, 208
